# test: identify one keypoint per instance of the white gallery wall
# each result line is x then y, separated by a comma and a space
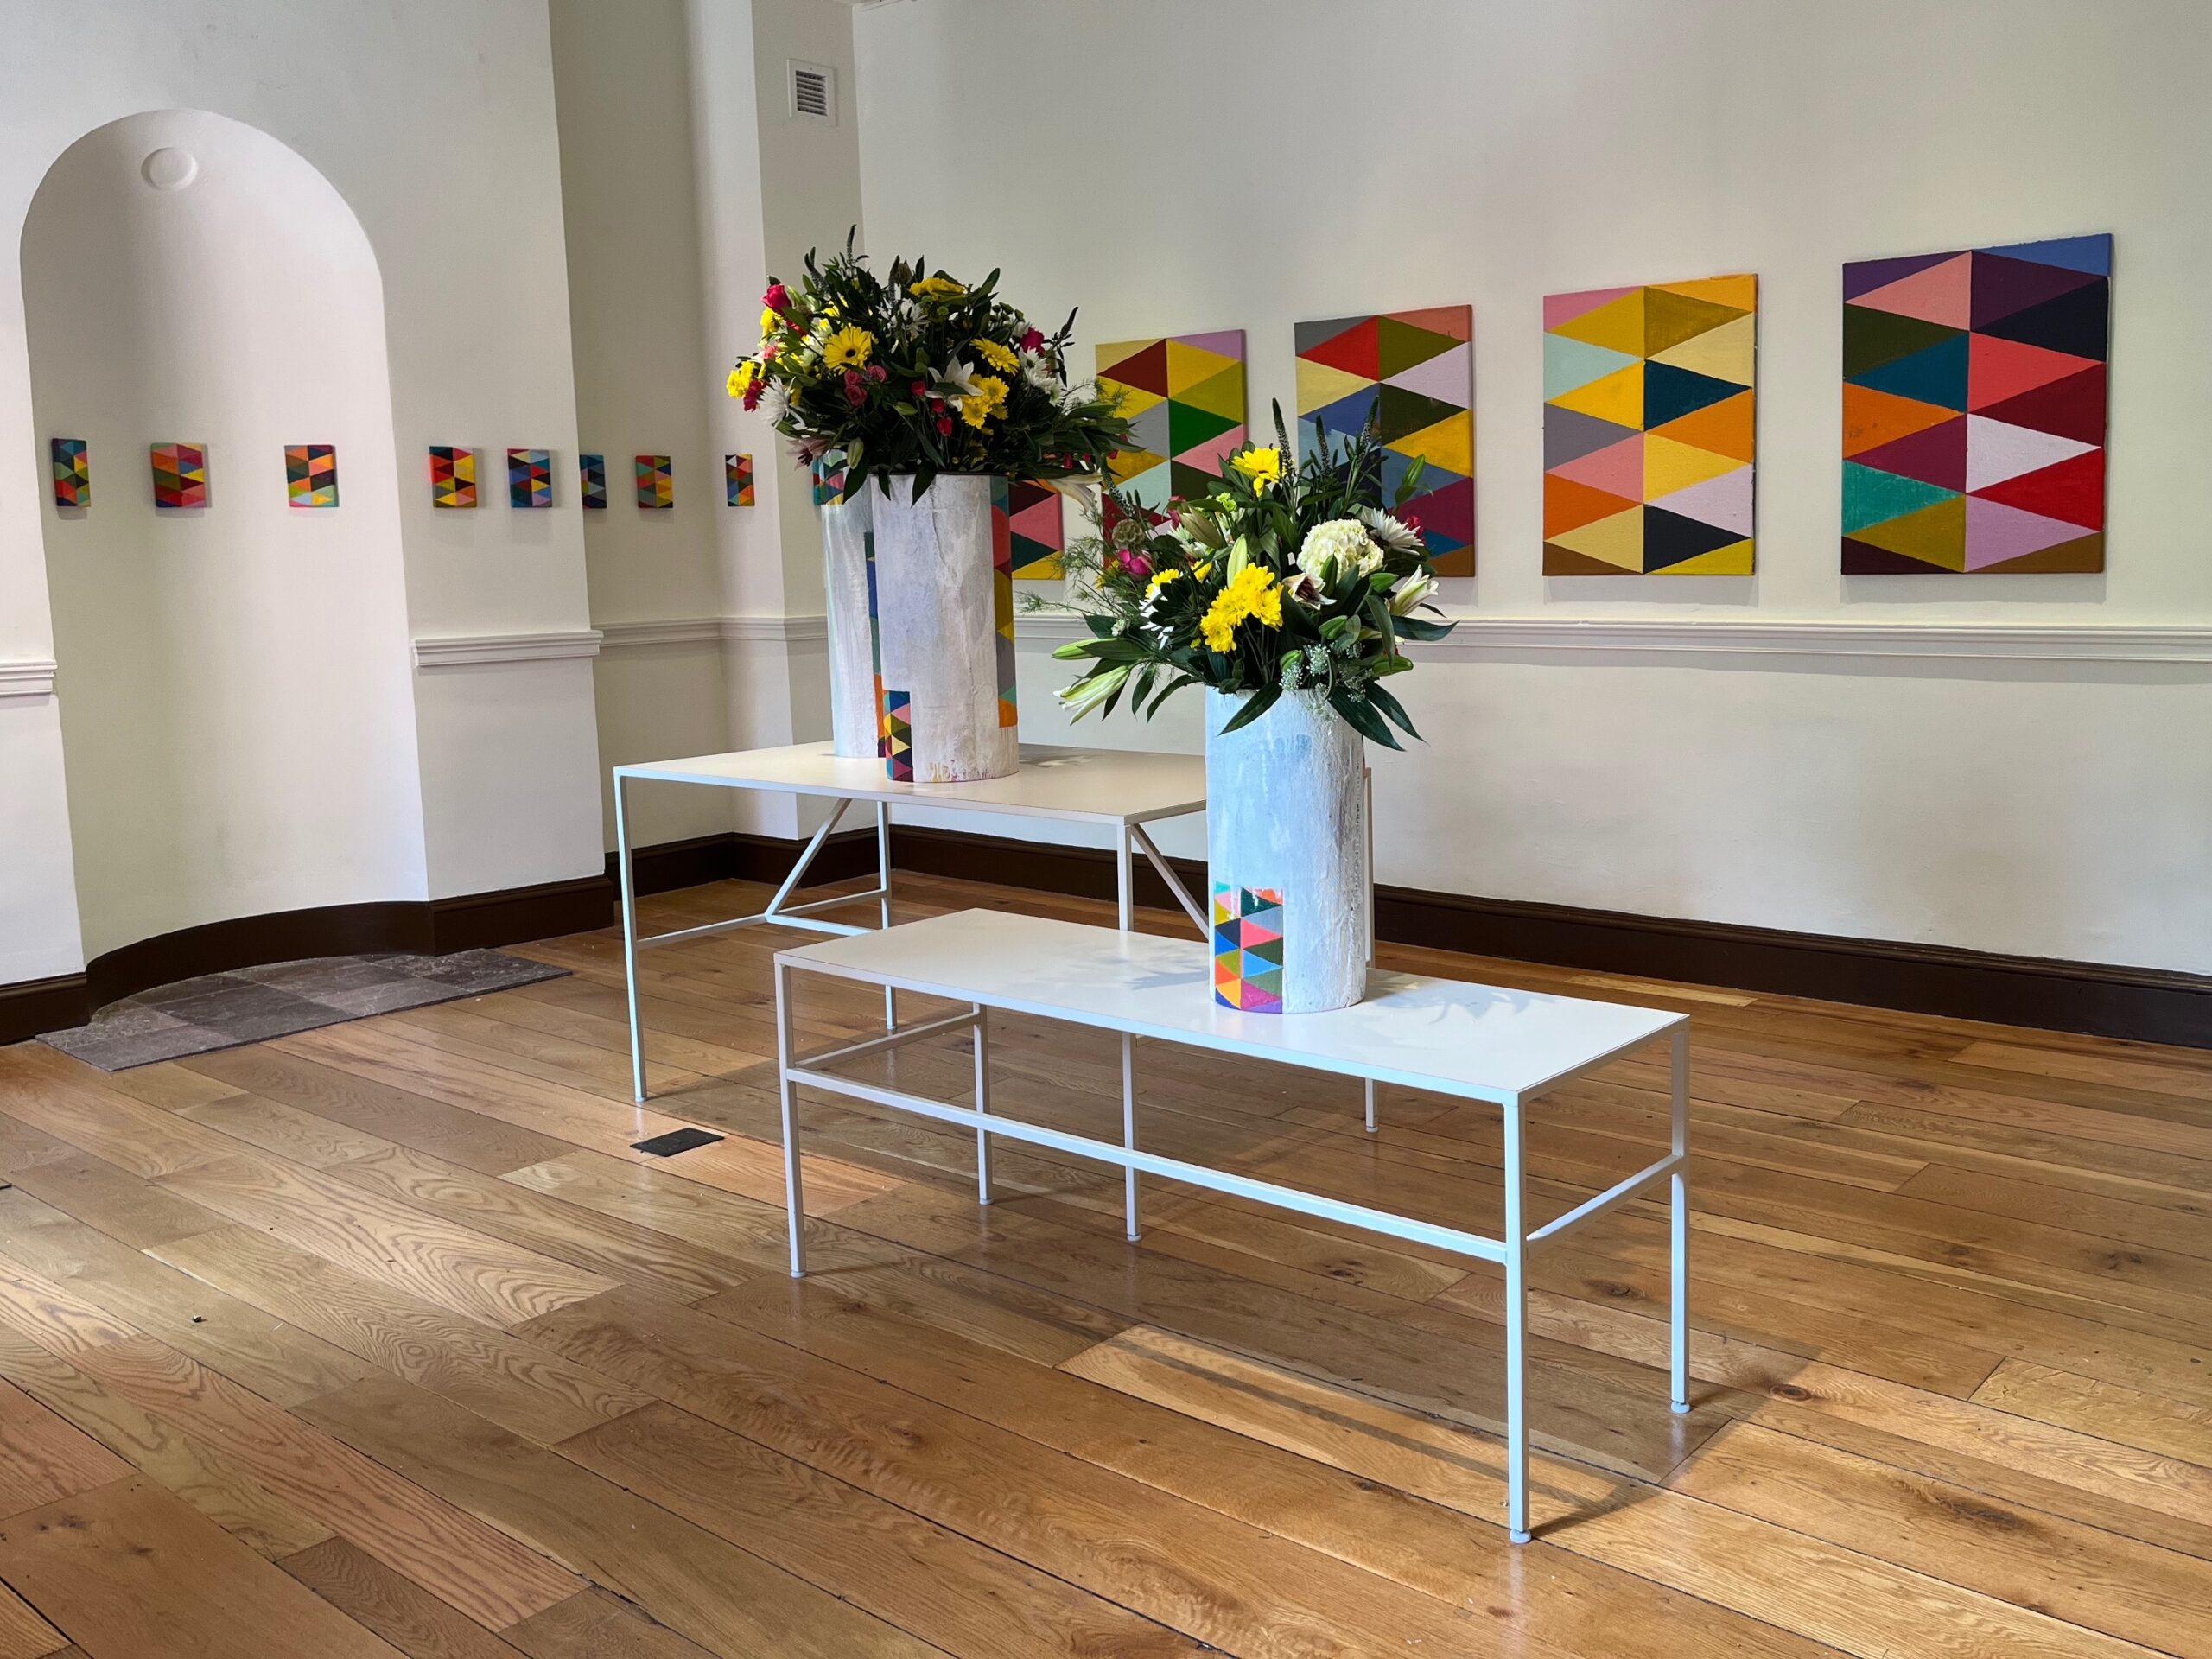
182, 312
433, 120
1250, 163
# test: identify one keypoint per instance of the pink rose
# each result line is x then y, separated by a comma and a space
1032, 341
855, 388
778, 299
753, 395
875, 373
1134, 565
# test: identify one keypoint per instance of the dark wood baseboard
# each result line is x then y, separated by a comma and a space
465, 922
2148, 1005
668, 866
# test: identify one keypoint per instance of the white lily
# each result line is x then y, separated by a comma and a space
956, 379
1408, 594
1085, 695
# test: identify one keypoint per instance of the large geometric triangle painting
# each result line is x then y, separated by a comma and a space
453, 476
180, 475
1184, 396
1651, 409
1975, 408
1409, 375
311, 474
1038, 540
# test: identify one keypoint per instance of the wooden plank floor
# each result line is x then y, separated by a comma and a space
383, 1339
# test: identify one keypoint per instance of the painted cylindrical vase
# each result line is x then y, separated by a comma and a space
945, 629
1287, 855
848, 600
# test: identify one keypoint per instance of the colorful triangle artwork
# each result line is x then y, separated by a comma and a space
1650, 427
1976, 409
1410, 375
1185, 395
1033, 524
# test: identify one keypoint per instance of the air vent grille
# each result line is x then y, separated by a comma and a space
813, 92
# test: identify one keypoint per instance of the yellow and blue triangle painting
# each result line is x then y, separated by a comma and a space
1651, 403
1184, 395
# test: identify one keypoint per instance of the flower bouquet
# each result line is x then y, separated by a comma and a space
940, 394
1285, 594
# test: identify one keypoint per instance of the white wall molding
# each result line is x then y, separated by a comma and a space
701, 630
1479, 637
459, 651
28, 677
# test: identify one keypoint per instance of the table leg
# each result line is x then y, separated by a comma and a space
883, 881
982, 1103
1516, 1336
1370, 1106
787, 1097
1679, 1243
629, 937
1125, 879
1129, 1127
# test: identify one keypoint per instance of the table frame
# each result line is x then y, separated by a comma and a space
1512, 1252
1130, 838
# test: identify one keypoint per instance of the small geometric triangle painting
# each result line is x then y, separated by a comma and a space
73, 474
1184, 396
180, 475
591, 479
1409, 375
656, 481
311, 474
1650, 413
529, 478
737, 478
453, 476
1974, 411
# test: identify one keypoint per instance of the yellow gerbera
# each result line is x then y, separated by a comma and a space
937, 288
849, 347
1252, 592
1262, 466
997, 356
742, 377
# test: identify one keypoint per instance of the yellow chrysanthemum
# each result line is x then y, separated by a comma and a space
987, 400
769, 323
1161, 580
847, 348
1262, 466
937, 288
998, 356
1252, 592
742, 377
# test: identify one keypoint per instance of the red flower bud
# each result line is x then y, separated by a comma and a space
944, 425
1031, 342
753, 395
920, 388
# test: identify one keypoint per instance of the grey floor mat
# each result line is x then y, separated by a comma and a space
196, 1016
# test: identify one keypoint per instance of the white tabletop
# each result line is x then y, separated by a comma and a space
1113, 785
1450, 1035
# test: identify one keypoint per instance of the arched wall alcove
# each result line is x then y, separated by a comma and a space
235, 684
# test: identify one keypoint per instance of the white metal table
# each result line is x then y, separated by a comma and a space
1475, 1042
1123, 788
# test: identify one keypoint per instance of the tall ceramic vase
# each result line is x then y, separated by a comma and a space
1286, 856
849, 599
945, 629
